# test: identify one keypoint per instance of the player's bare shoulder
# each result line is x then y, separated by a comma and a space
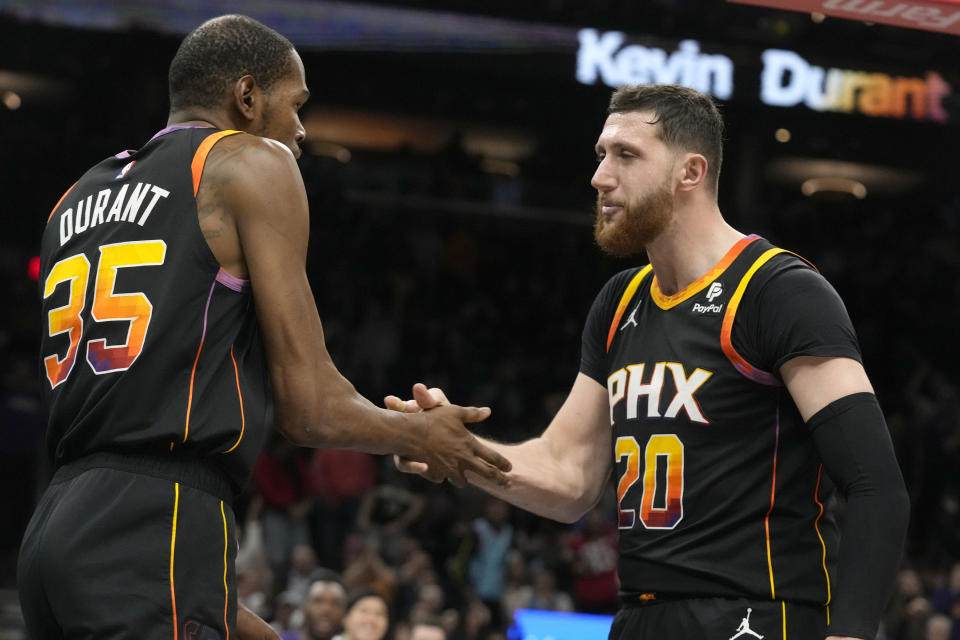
238, 172
237, 159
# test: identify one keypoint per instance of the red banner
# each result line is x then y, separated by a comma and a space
940, 15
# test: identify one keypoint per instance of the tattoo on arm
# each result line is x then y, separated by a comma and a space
223, 160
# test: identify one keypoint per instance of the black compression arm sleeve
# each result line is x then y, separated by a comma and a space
851, 436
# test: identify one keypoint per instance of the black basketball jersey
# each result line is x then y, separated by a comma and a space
720, 490
148, 346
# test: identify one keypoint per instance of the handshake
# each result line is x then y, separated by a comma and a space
447, 450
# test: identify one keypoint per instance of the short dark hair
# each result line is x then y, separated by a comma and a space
688, 119
363, 594
218, 53
429, 621
323, 574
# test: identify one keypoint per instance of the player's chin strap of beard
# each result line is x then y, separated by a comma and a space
851, 437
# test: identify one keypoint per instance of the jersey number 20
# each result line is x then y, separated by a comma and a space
134, 307
661, 507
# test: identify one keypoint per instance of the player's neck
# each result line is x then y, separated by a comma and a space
690, 247
197, 118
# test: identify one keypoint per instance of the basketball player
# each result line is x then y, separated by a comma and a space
173, 282
724, 382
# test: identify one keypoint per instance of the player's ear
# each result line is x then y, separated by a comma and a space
246, 96
693, 171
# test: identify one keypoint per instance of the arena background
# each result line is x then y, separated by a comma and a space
448, 160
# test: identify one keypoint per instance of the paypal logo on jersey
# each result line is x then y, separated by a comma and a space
713, 292
712, 309
716, 288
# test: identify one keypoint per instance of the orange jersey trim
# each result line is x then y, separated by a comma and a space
200, 157
173, 546
816, 527
243, 419
624, 301
726, 330
668, 302
54, 210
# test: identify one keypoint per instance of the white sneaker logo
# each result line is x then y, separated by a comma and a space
715, 290
632, 319
744, 628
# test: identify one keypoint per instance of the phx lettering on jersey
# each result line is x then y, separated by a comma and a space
90, 211
628, 383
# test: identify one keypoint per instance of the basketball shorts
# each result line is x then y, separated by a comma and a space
719, 619
125, 547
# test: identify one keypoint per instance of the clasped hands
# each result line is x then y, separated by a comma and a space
481, 461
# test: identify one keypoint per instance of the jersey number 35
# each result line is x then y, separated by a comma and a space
133, 307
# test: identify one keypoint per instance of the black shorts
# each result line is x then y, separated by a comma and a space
130, 547
719, 619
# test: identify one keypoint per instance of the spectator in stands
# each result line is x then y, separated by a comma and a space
324, 608
368, 617
303, 563
254, 575
544, 595
365, 568
494, 536
386, 512
943, 598
337, 481
593, 554
429, 602
939, 627
279, 478
287, 617
907, 613
516, 587
430, 629
477, 622
253, 587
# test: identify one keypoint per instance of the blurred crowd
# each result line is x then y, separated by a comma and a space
925, 606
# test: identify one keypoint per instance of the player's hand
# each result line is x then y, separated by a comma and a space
250, 626
449, 451
423, 398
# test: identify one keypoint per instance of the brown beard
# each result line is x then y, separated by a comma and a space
640, 223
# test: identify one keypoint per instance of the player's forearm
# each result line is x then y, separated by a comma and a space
853, 442
543, 483
320, 408
871, 545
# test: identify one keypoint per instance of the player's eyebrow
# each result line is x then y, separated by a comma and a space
617, 145
601, 148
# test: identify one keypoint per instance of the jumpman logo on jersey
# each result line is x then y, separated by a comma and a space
632, 319
744, 628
